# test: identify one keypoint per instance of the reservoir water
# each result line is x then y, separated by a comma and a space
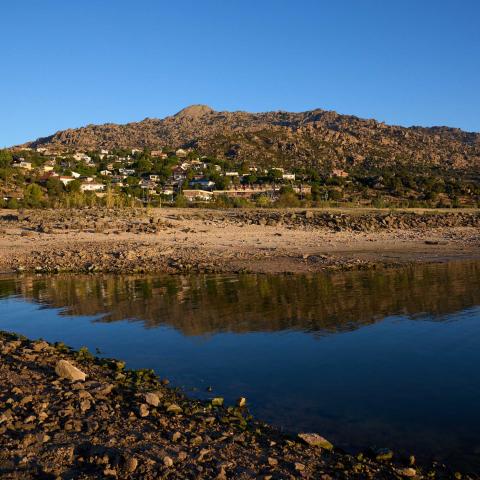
379, 358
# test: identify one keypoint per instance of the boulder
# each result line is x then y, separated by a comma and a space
408, 472
66, 370
217, 401
152, 398
315, 440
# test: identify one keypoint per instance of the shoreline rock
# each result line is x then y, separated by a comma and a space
128, 424
66, 370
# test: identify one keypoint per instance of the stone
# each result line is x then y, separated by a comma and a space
241, 402
315, 440
144, 412
174, 408
40, 346
217, 401
203, 452
66, 370
152, 399
272, 461
299, 466
131, 464
27, 399
167, 461
101, 390
182, 456
383, 454
407, 472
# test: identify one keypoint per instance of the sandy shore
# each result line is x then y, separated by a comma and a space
67, 414
269, 241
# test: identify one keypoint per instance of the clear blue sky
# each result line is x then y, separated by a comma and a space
67, 63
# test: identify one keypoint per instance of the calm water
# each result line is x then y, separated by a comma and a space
367, 359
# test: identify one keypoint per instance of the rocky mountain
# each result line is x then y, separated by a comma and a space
313, 138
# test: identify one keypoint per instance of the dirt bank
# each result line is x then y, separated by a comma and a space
179, 240
66, 414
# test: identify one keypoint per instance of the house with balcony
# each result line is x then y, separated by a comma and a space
197, 195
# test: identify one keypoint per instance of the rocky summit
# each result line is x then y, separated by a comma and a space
316, 138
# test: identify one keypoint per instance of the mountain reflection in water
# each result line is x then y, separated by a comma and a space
206, 304
387, 358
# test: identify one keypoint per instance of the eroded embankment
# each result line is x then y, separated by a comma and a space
271, 241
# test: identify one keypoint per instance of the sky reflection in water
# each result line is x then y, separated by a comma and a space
366, 358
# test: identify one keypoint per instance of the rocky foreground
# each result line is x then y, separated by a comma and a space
201, 240
65, 414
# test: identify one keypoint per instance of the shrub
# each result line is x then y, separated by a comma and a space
13, 203
288, 199
33, 195
180, 201
262, 201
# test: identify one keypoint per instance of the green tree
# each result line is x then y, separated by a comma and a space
12, 203
144, 165
274, 175
334, 194
54, 187
262, 201
131, 181
288, 199
6, 158
251, 179
180, 201
222, 183
74, 186
33, 195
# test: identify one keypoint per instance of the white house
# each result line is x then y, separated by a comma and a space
82, 157
168, 190
178, 173
337, 172
181, 153
158, 154
144, 183
198, 165
92, 187
66, 180
22, 164
203, 183
197, 195
288, 176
